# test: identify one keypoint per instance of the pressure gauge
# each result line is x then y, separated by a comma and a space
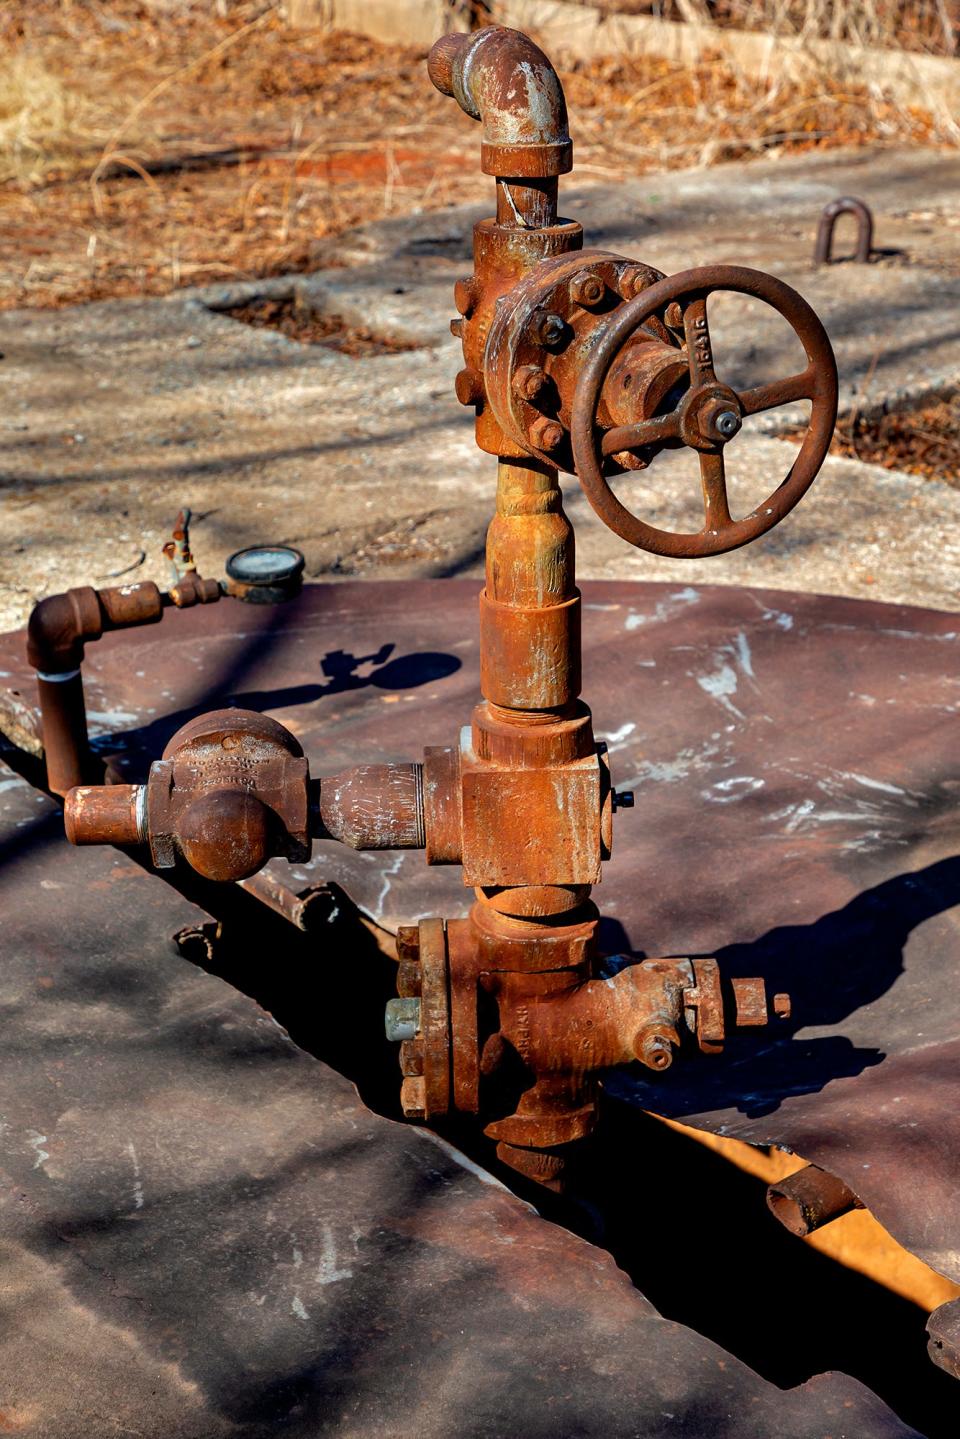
265, 574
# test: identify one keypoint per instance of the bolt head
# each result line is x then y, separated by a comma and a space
632, 280
409, 979
413, 1097
528, 382
782, 1006
727, 423
456, 328
673, 316
408, 942
546, 434
411, 1056
401, 1019
548, 329
587, 289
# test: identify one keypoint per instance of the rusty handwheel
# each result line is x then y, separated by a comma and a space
709, 414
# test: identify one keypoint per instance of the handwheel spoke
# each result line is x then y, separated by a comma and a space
778, 392
699, 348
714, 481
644, 432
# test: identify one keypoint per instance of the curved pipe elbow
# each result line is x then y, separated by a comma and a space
501, 78
58, 628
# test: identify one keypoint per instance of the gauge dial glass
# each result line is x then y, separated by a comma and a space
264, 564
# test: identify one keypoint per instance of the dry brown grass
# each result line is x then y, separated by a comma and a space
929, 26
142, 151
41, 120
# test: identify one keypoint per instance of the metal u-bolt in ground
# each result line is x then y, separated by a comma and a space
846, 205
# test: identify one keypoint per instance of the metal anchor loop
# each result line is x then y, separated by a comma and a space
846, 205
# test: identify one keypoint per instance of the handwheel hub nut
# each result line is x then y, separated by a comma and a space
709, 417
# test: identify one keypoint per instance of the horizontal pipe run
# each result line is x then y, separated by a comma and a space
106, 814
374, 806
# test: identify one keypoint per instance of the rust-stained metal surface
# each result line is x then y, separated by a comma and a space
791, 757
943, 1327
205, 1233
846, 205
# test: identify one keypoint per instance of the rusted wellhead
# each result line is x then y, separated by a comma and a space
579, 360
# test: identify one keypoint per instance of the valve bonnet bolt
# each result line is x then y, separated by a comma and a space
587, 289
546, 434
782, 1006
634, 279
401, 1019
528, 382
548, 329
673, 315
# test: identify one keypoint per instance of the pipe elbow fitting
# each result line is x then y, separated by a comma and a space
501, 78
59, 627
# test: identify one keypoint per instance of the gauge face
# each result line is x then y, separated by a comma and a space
265, 565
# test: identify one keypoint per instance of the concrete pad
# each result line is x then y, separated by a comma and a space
116, 414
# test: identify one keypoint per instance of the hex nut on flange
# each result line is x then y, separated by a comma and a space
545, 433
587, 289
547, 328
529, 381
633, 279
401, 1019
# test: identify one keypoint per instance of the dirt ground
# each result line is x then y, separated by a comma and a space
154, 155
144, 149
